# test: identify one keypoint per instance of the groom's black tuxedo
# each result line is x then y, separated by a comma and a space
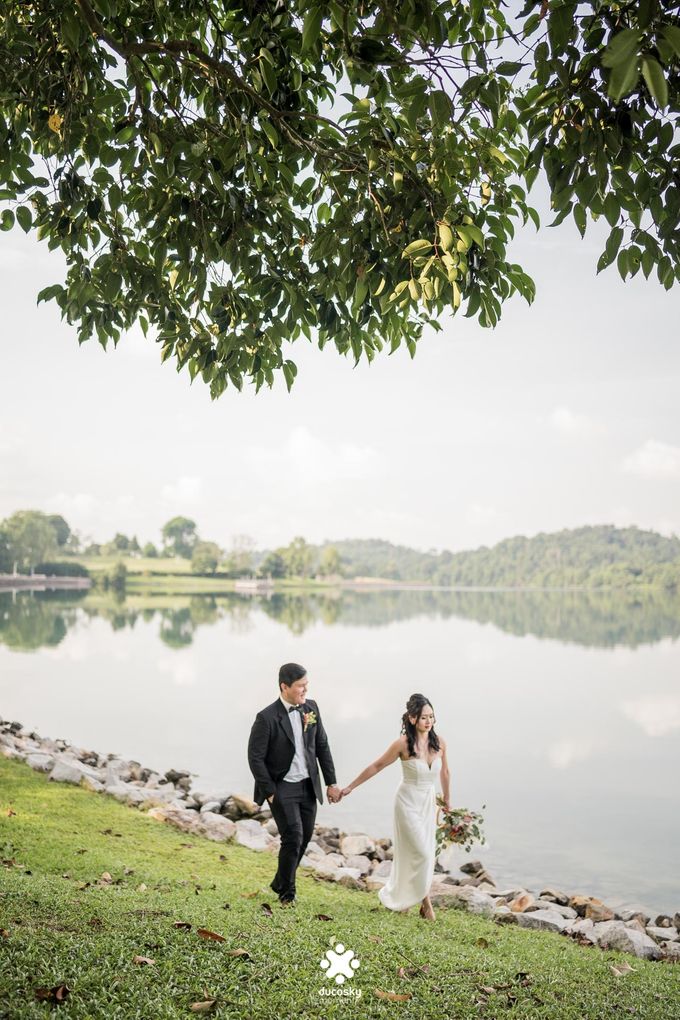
271, 749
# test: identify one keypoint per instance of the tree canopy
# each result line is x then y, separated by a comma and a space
234, 176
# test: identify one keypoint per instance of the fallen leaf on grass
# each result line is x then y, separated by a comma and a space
243, 953
226, 906
4, 933
110, 832
143, 960
410, 972
95, 922
523, 978
105, 878
206, 934
10, 812
184, 925
267, 910
250, 895
482, 942
56, 994
82, 850
374, 938
128, 871
488, 989
323, 917
141, 887
620, 969
82, 885
66, 875
203, 1007
393, 996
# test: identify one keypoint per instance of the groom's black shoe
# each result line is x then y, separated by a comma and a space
287, 901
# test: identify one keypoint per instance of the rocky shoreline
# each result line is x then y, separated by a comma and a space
355, 860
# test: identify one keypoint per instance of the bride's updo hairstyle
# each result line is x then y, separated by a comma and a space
414, 707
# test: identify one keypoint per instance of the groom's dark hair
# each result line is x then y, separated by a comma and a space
291, 672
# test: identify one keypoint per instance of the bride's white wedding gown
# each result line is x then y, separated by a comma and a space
414, 835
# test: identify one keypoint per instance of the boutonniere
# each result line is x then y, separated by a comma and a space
310, 720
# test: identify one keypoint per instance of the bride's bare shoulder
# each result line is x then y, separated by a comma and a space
402, 744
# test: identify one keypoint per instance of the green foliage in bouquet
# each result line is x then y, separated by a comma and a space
458, 825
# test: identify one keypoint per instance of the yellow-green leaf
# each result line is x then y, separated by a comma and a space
655, 80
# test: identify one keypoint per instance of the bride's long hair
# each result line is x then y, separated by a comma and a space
414, 706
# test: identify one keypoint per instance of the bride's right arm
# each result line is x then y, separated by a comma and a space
390, 755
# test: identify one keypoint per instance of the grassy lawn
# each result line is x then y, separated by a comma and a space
60, 926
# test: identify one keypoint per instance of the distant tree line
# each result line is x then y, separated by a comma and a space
600, 556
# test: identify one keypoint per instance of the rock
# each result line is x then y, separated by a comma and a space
40, 762
568, 912
251, 834
521, 902
205, 797
349, 877
507, 894
68, 770
663, 921
544, 920
336, 860
504, 915
676, 920
178, 817
580, 904
662, 934
124, 793
272, 828
671, 951
211, 805
94, 785
323, 870
216, 827
598, 911
246, 806
357, 843
116, 771
383, 869
471, 867
173, 775
615, 935
633, 915
635, 923
467, 898
555, 896
313, 849
359, 861
374, 883
583, 927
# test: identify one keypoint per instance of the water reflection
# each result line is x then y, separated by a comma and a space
32, 620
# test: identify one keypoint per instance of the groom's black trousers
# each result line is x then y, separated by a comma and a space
294, 811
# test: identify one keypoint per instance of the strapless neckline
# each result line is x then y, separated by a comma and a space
429, 767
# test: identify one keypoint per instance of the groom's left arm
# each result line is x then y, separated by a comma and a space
323, 751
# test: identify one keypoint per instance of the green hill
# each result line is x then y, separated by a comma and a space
592, 556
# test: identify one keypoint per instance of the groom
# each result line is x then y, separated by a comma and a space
286, 739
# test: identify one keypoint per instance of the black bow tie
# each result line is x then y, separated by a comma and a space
295, 708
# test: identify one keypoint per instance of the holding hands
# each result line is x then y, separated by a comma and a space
334, 794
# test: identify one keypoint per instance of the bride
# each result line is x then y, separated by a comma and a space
423, 757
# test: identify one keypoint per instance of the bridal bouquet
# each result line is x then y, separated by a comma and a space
459, 826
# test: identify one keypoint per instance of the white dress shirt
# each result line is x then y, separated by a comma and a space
298, 767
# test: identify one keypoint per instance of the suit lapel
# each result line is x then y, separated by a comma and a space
286, 723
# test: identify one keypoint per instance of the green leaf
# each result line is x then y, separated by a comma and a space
671, 34
621, 48
445, 236
656, 80
415, 247
440, 108
622, 263
612, 209
623, 79
312, 28
508, 68
579, 214
24, 218
270, 132
6, 219
289, 373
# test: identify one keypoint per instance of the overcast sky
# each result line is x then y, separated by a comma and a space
566, 414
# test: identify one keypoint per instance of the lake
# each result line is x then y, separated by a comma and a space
561, 709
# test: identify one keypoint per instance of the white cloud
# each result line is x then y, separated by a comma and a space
569, 751
654, 459
656, 716
186, 489
307, 457
571, 423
